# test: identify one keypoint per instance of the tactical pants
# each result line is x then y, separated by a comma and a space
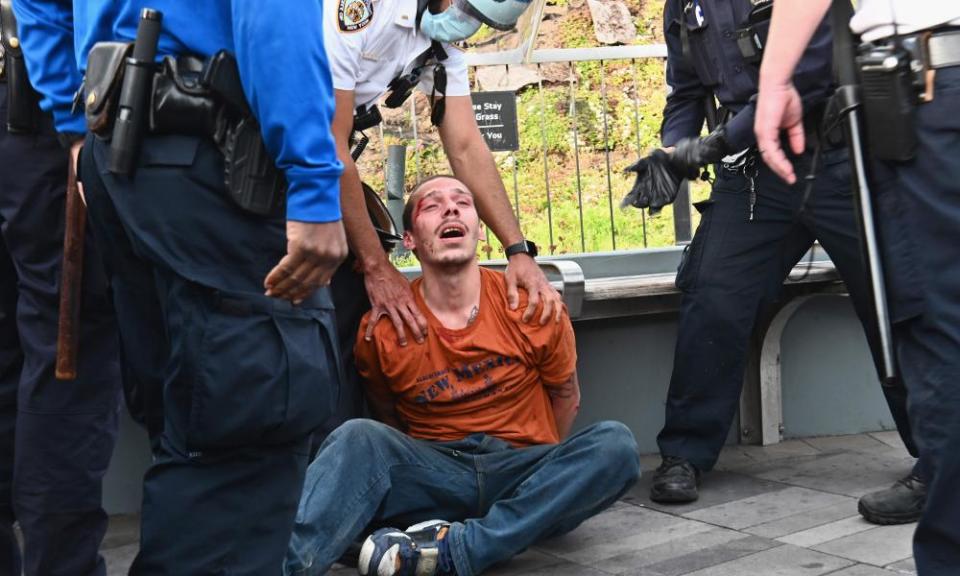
56, 438
734, 268
919, 218
245, 379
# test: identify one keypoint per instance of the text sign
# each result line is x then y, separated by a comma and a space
496, 114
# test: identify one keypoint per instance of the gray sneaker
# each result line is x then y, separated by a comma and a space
900, 504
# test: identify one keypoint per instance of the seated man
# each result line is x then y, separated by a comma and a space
479, 421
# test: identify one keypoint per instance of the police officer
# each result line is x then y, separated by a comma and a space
56, 437
375, 45
753, 230
245, 327
917, 203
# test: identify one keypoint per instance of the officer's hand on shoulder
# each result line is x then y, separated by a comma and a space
314, 251
390, 295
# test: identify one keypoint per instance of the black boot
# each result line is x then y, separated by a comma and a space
675, 481
901, 503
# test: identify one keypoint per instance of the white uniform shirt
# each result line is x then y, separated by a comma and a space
371, 42
874, 18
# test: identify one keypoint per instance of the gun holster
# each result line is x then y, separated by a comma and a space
23, 102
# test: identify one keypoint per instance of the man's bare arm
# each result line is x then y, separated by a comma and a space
566, 404
473, 164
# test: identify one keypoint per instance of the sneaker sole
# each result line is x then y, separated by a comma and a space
674, 496
887, 519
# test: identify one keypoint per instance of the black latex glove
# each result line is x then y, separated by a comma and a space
657, 182
691, 154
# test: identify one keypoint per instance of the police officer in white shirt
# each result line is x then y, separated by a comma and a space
915, 183
370, 44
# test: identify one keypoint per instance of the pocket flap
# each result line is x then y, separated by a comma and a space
104, 72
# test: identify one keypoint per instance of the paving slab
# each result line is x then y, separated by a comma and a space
119, 558
849, 473
526, 563
705, 557
766, 507
855, 443
904, 567
863, 570
634, 559
717, 487
880, 546
804, 520
827, 532
784, 560
620, 530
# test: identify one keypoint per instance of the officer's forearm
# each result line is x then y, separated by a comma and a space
791, 28
474, 166
361, 237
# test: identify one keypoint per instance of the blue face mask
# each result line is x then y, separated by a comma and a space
451, 25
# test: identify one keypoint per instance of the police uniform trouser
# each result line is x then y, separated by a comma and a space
245, 378
56, 437
919, 218
733, 269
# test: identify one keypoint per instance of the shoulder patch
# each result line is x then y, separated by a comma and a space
354, 15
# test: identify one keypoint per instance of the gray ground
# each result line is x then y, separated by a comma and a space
784, 510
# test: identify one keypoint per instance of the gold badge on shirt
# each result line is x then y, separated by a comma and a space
354, 15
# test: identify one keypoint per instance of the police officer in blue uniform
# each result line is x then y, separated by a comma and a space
234, 313
917, 207
56, 437
753, 230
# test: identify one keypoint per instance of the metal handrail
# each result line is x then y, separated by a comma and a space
549, 55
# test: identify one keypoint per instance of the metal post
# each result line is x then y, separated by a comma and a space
576, 151
396, 170
606, 146
543, 146
636, 123
682, 225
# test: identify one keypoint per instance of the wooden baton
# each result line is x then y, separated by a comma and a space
71, 281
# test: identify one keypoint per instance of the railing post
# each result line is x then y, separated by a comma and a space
682, 225
396, 171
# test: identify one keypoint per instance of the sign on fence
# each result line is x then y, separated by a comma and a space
496, 114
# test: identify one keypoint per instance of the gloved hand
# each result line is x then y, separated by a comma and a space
691, 154
657, 182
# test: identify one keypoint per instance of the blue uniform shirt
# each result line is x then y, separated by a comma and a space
715, 64
279, 49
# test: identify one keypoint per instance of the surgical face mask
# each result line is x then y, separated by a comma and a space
451, 25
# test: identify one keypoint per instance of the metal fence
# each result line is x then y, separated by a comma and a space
567, 198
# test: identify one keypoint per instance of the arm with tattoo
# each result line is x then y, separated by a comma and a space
566, 404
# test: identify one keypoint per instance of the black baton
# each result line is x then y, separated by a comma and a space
134, 95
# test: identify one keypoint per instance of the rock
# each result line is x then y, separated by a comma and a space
612, 22
511, 78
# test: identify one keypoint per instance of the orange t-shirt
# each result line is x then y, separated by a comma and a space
490, 377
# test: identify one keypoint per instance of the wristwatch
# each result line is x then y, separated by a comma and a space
522, 247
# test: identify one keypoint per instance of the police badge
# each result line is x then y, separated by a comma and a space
354, 15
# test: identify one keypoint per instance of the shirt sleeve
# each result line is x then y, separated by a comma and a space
739, 130
343, 49
286, 78
683, 114
458, 83
555, 350
47, 40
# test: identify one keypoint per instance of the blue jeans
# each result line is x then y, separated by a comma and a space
499, 499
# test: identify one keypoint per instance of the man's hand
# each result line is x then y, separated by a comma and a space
779, 108
390, 295
74, 159
523, 272
314, 251
656, 185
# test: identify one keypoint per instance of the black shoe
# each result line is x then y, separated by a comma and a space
901, 503
675, 482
